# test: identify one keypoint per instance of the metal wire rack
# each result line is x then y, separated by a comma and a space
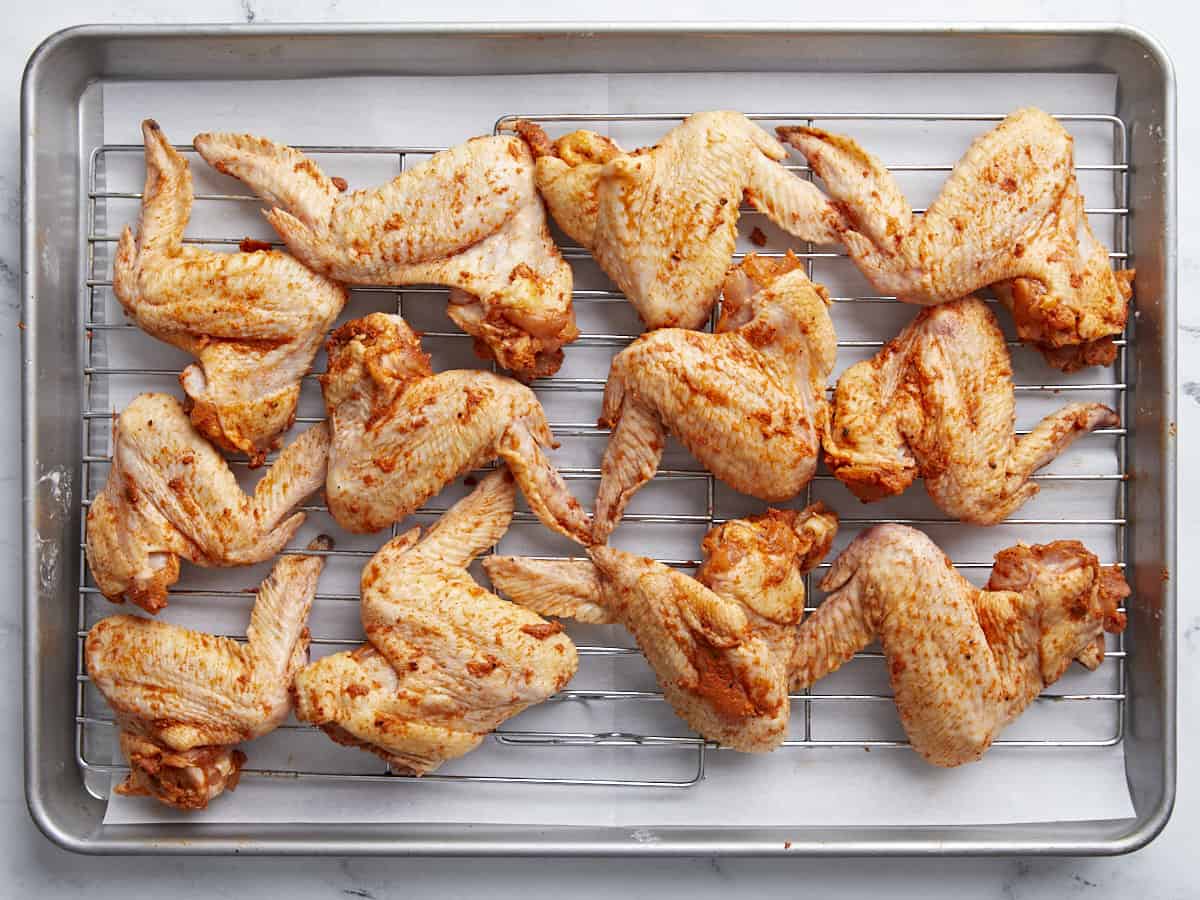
93, 720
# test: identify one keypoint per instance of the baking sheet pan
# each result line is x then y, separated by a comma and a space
914, 795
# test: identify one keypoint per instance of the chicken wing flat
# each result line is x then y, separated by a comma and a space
662, 221
938, 402
446, 661
963, 662
1009, 216
183, 698
720, 644
254, 321
402, 433
468, 218
748, 401
170, 494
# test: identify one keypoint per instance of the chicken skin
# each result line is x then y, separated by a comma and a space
963, 662
254, 321
720, 644
938, 402
170, 494
468, 218
1009, 216
402, 433
183, 698
446, 661
662, 221
748, 401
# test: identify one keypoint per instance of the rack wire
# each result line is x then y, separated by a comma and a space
93, 720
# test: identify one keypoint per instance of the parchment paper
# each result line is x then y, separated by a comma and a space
791, 786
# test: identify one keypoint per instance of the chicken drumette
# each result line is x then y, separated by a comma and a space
446, 661
1010, 216
963, 662
720, 644
184, 698
254, 321
748, 401
402, 433
170, 494
468, 218
662, 221
937, 401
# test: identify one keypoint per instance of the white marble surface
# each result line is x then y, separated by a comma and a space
30, 865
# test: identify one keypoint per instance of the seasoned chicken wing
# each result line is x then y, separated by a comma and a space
170, 494
254, 321
721, 645
183, 698
402, 433
1010, 216
748, 401
468, 218
963, 662
446, 661
662, 221
937, 401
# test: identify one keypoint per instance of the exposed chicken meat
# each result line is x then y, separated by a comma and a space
402, 433
170, 494
468, 218
760, 563
720, 646
662, 221
937, 401
1010, 216
254, 321
748, 401
447, 661
184, 698
963, 662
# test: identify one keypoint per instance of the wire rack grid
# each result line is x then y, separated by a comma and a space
93, 720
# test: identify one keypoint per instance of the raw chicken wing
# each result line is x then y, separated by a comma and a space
468, 218
748, 401
446, 661
1010, 216
963, 662
662, 221
937, 401
254, 321
721, 645
170, 494
402, 433
183, 698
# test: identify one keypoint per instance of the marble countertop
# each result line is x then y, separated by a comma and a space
31, 866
